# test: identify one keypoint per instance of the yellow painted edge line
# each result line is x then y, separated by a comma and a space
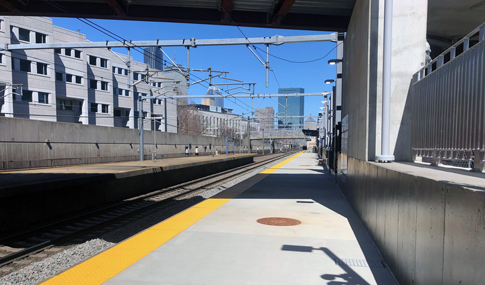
112, 261
279, 165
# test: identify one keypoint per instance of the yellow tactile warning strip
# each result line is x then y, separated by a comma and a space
274, 168
107, 264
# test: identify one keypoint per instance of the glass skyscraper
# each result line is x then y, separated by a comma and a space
295, 108
153, 57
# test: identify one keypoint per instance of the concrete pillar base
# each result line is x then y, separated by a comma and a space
479, 162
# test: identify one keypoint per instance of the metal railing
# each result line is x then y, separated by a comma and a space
448, 104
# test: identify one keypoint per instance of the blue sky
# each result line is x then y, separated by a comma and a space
238, 60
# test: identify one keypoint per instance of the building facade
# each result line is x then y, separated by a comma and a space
218, 121
294, 107
153, 56
310, 124
86, 86
266, 118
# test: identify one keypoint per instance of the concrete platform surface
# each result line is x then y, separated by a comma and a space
474, 181
226, 245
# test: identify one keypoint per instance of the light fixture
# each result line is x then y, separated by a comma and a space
334, 61
328, 81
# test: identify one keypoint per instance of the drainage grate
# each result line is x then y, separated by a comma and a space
275, 221
360, 263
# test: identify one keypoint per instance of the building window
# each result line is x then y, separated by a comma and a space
58, 50
25, 65
64, 104
127, 92
41, 68
24, 35
77, 53
1, 58
43, 97
67, 51
92, 60
120, 70
94, 107
78, 79
104, 85
40, 38
135, 76
114, 69
120, 91
68, 77
93, 84
26, 95
59, 76
103, 62
104, 108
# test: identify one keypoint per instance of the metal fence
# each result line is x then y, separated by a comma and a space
448, 104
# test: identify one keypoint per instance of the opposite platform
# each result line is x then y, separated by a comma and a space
220, 241
50, 192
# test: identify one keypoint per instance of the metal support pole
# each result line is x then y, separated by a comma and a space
286, 112
128, 65
263, 141
249, 135
165, 114
154, 135
270, 144
140, 126
386, 89
267, 65
188, 66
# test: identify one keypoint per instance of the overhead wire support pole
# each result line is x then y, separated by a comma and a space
267, 65
188, 66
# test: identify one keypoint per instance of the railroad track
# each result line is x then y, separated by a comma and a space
20, 250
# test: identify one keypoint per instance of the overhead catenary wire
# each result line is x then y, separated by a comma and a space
305, 61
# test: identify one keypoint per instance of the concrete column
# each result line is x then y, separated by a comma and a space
479, 162
8, 101
131, 119
85, 112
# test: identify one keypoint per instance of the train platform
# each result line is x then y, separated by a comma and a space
46, 192
290, 224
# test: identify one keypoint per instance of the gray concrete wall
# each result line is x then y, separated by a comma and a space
362, 74
429, 231
30, 143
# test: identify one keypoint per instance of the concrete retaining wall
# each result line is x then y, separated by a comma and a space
28, 143
67, 193
428, 231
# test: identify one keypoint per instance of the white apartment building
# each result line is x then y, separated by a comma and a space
87, 86
216, 119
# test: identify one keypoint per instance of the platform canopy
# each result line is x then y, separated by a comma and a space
323, 15
448, 20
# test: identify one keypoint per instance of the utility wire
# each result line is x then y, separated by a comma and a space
292, 61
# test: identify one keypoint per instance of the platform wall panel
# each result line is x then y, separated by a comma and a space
428, 231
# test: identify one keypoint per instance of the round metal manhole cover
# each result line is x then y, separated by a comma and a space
282, 222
